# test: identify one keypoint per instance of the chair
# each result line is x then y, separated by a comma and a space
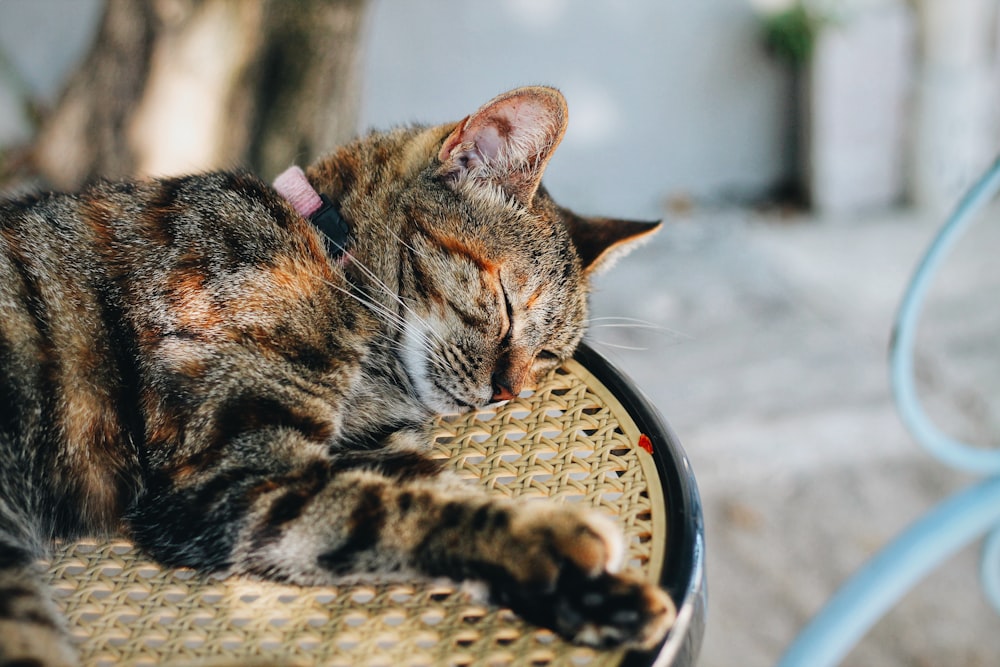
584, 435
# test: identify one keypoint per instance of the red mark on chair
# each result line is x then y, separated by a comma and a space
645, 443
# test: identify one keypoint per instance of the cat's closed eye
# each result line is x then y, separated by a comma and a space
508, 308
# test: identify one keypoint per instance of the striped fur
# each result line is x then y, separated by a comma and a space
182, 362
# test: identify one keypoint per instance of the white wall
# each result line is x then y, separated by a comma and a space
666, 97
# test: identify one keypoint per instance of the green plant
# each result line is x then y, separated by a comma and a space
790, 34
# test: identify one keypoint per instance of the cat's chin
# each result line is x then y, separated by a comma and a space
443, 404
433, 399
432, 395
455, 406
438, 400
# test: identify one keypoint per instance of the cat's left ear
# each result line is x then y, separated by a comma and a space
508, 141
600, 242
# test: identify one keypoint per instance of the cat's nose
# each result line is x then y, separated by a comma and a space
502, 391
510, 376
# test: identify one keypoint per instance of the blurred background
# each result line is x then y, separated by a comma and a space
802, 155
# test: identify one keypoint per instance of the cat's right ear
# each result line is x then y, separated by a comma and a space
508, 141
600, 242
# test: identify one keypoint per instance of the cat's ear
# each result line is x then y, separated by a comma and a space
509, 141
600, 242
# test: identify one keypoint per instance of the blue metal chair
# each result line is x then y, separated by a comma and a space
949, 526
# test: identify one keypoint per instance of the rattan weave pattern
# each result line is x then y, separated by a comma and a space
570, 440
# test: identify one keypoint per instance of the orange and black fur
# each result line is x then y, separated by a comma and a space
183, 360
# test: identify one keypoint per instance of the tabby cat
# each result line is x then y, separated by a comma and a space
239, 376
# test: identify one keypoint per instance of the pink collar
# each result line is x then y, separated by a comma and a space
293, 185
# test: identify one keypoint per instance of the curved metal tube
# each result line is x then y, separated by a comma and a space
955, 453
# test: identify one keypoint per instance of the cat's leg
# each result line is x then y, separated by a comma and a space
31, 630
395, 511
556, 565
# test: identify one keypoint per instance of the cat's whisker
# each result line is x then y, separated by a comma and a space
392, 294
395, 297
636, 324
403, 243
663, 331
618, 318
389, 317
621, 320
619, 346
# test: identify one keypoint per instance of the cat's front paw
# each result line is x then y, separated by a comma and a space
610, 610
564, 575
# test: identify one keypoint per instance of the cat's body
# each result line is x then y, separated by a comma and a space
189, 361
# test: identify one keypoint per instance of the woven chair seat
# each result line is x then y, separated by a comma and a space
571, 440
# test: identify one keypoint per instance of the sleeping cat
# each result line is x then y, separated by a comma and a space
238, 376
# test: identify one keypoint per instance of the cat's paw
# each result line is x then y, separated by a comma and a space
564, 572
610, 610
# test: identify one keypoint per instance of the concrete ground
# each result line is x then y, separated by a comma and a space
764, 346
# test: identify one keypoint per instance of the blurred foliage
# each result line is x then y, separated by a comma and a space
791, 34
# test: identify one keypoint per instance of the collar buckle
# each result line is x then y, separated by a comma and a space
293, 185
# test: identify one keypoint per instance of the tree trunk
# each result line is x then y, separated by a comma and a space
176, 86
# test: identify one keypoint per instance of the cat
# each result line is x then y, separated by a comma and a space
239, 377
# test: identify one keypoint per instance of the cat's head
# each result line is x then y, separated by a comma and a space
492, 275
